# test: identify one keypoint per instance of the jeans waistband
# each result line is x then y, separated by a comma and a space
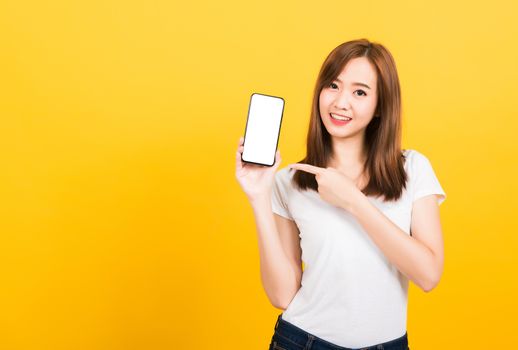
310, 341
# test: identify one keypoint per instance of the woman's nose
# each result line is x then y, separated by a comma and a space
342, 102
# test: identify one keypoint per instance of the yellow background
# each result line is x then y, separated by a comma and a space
122, 223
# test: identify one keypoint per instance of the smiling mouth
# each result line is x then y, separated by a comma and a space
339, 117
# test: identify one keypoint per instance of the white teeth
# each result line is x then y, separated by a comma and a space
334, 116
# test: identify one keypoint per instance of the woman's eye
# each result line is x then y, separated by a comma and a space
333, 85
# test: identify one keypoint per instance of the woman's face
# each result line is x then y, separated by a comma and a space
348, 96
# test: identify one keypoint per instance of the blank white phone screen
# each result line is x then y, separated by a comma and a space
262, 129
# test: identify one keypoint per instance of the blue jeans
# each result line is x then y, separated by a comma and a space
289, 337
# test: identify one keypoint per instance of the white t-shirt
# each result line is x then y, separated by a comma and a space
351, 295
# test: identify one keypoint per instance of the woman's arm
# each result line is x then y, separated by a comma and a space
420, 257
280, 254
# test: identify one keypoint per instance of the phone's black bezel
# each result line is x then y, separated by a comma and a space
278, 132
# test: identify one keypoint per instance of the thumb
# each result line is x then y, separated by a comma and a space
277, 158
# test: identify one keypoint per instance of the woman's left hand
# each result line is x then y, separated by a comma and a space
333, 186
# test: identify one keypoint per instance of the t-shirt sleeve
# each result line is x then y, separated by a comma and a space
279, 197
425, 182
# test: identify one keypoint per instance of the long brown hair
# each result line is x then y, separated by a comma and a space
385, 161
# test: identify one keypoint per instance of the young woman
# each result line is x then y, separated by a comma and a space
360, 212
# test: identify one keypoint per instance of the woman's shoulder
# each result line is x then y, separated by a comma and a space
415, 159
284, 178
285, 173
412, 153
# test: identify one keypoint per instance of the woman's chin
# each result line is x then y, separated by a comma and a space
342, 133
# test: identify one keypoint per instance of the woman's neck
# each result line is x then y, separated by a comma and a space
348, 153
349, 157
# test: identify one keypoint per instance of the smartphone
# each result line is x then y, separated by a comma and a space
263, 127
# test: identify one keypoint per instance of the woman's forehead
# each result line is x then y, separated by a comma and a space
358, 70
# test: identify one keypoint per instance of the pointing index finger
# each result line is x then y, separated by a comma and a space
306, 167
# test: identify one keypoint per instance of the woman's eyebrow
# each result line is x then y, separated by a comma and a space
355, 83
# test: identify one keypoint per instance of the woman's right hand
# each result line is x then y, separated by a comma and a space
256, 180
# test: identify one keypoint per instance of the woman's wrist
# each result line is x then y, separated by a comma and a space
356, 202
260, 199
